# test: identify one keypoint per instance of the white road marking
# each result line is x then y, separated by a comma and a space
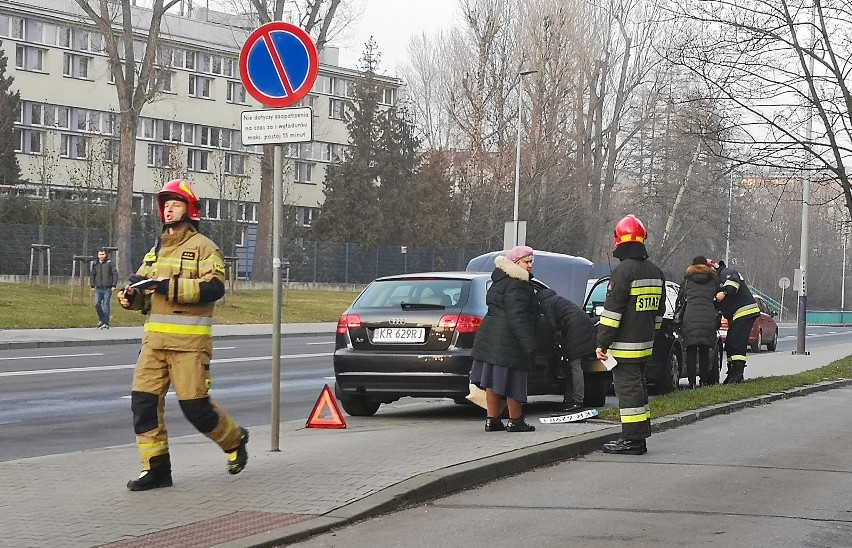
130, 366
52, 356
322, 342
215, 348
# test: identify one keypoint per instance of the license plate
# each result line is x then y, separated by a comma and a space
399, 335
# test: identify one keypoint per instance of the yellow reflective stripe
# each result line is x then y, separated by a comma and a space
630, 353
148, 450
747, 310
646, 416
188, 291
157, 327
737, 358
732, 283
609, 323
150, 257
658, 324
646, 290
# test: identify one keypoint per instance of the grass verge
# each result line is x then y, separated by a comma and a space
25, 306
687, 400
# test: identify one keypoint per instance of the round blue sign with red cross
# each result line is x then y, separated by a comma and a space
278, 64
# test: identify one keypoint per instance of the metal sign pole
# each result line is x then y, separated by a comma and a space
278, 198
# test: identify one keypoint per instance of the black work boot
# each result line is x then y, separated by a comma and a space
519, 425
494, 425
622, 446
159, 475
237, 458
735, 373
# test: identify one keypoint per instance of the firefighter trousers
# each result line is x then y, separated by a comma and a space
736, 341
632, 392
189, 374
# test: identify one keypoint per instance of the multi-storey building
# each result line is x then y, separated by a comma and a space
67, 129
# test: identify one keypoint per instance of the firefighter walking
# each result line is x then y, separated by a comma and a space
633, 311
185, 274
735, 302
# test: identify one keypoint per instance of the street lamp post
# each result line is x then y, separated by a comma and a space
730, 206
514, 236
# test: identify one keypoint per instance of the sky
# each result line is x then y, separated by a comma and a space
392, 23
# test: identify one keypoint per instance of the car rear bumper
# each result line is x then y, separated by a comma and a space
390, 376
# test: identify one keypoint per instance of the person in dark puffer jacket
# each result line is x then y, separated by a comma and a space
575, 332
504, 347
698, 327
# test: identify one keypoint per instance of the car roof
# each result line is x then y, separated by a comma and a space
452, 275
565, 274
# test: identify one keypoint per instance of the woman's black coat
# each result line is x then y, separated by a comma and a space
507, 334
698, 327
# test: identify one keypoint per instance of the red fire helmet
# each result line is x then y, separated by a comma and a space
181, 190
629, 229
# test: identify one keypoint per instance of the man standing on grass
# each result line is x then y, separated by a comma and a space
103, 278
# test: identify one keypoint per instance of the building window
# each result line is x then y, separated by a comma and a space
389, 96
229, 67
63, 117
198, 160
211, 136
303, 172
147, 128
189, 134
306, 215
235, 164
29, 58
36, 114
246, 212
33, 141
162, 81
73, 146
210, 207
335, 109
236, 93
199, 86
189, 60
158, 156
76, 66
18, 140
307, 101
110, 149
16, 28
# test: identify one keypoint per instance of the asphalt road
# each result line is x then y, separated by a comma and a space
775, 475
61, 399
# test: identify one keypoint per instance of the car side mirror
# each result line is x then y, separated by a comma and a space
773, 313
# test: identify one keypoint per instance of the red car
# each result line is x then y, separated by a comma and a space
764, 332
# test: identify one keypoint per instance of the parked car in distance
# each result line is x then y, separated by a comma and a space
668, 362
764, 332
412, 335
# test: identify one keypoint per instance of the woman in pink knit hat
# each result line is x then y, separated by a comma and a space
504, 348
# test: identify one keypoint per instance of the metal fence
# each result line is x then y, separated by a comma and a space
314, 262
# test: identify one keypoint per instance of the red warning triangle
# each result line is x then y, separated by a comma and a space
326, 400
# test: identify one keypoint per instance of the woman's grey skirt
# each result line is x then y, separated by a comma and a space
504, 381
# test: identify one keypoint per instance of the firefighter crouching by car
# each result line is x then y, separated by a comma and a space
177, 345
736, 303
633, 311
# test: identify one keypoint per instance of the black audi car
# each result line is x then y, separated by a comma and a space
412, 335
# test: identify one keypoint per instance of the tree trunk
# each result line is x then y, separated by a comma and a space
124, 196
261, 269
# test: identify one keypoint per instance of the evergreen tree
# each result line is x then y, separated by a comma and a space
351, 188
10, 171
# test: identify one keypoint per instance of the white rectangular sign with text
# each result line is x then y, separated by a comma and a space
277, 126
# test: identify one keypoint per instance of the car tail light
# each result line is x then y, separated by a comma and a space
463, 323
347, 322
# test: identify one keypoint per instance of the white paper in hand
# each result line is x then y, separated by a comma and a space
145, 284
609, 362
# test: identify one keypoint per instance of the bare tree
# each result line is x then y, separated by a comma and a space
118, 23
788, 62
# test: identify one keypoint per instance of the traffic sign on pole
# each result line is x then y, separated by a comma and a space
278, 64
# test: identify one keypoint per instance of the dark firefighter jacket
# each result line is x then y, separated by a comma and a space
738, 302
634, 307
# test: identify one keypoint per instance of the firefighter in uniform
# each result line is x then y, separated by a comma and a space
633, 311
186, 274
736, 303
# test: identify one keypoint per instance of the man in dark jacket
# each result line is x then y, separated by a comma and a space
103, 278
633, 311
736, 303
574, 332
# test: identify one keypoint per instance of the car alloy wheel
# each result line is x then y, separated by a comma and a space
755, 347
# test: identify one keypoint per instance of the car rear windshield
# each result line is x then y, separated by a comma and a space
449, 293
